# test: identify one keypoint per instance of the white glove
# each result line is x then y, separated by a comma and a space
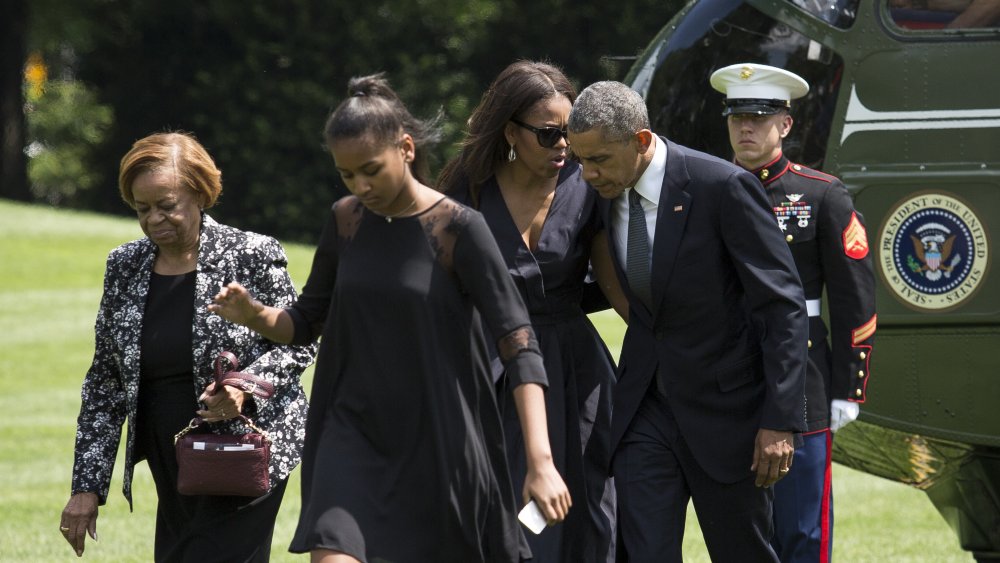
841, 413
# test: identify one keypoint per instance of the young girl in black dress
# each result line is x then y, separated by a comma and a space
404, 455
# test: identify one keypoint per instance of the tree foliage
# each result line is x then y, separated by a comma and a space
13, 176
64, 122
255, 81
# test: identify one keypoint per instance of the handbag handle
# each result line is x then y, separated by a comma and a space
247, 382
198, 421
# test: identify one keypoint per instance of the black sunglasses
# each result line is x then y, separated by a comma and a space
548, 137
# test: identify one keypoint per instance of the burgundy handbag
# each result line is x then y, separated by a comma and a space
225, 464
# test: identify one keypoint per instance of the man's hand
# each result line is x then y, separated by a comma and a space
772, 456
841, 413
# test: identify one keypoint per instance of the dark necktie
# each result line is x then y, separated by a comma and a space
637, 249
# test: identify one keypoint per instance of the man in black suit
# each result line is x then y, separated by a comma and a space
711, 377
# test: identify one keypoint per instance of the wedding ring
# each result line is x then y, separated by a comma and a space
783, 470
63, 529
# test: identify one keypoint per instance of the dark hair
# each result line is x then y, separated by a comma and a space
514, 91
179, 152
373, 109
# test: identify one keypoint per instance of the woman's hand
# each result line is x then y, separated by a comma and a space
235, 304
78, 519
544, 484
222, 405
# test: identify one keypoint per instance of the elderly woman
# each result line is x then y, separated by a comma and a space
154, 352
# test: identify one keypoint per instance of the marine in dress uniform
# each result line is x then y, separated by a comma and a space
828, 240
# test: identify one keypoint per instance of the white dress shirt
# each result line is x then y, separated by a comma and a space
648, 186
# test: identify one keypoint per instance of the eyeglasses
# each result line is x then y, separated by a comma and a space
548, 137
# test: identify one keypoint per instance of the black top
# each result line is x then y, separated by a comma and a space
166, 328
404, 455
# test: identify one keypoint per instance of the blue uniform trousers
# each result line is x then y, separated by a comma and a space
803, 504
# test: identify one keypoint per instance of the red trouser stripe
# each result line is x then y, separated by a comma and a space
824, 540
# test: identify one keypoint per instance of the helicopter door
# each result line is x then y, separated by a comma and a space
714, 34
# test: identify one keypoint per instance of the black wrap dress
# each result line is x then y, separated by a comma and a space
552, 281
404, 457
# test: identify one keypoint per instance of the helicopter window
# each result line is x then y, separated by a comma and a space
684, 107
840, 13
945, 14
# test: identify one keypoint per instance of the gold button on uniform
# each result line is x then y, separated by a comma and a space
797, 167
789, 238
858, 392
809, 343
764, 174
861, 374
862, 355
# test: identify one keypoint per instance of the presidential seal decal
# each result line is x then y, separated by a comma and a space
933, 251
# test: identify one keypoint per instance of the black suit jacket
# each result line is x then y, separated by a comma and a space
728, 327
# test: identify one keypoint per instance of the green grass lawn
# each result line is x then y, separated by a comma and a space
51, 269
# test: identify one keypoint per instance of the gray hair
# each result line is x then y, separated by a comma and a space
612, 106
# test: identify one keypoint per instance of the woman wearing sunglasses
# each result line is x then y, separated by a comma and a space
514, 167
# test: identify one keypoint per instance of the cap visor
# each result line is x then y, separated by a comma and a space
755, 109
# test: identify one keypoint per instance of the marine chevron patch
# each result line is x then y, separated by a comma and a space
855, 239
865, 331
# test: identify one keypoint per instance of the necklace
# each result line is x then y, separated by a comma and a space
389, 218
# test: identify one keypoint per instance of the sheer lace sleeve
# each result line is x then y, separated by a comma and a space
309, 312
466, 248
517, 341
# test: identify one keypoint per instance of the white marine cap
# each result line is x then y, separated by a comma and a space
756, 88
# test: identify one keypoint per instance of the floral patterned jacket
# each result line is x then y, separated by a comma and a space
111, 387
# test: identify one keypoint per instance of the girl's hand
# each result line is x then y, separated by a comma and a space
544, 484
235, 304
